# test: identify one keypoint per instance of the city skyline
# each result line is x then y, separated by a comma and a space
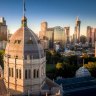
56, 12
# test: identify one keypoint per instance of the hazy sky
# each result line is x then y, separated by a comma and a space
55, 12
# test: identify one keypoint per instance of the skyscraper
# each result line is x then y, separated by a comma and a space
3, 33
3, 29
77, 30
67, 32
91, 35
52, 35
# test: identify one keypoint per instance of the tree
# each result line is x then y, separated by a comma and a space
83, 39
91, 66
59, 65
1, 58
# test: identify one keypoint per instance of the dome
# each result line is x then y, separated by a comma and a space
23, 43
82, 72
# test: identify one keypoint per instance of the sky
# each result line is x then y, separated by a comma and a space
56, 12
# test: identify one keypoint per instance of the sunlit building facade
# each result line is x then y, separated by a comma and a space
91, 35
77, 30
52, 35
3, 33
25, 64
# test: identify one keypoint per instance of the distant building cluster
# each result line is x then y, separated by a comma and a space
51, 37
58, 36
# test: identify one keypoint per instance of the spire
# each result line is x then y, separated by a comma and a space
24, 19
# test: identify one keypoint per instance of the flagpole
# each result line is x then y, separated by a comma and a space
24, 8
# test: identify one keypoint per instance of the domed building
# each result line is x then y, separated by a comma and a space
24, 61
82, 72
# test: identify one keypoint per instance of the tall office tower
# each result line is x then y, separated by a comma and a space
67, 32
91, 35
77, 29
42, 33
50, 36
3, 29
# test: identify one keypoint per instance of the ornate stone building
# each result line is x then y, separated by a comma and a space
25, 63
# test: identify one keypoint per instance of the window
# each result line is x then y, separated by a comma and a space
12, 72
15, 41
16, 73
29, 74
25, 74
39, 42
37, 73
19, 41
34, 73
19, 73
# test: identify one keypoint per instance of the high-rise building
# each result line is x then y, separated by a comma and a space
91, 35
77, 30
51, 35
67, 32
3, 33
3, 29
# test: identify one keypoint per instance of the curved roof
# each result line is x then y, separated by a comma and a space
23, 43
82, 72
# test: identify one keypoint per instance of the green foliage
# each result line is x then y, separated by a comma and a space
59, 66
53, 57
91, 66
1, 58
83, 39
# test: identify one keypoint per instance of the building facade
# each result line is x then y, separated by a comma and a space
67, 32
77, 30
25, 64
24, 61
51, 35
91, 35
3, 33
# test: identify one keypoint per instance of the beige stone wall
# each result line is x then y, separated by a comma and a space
24, 84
